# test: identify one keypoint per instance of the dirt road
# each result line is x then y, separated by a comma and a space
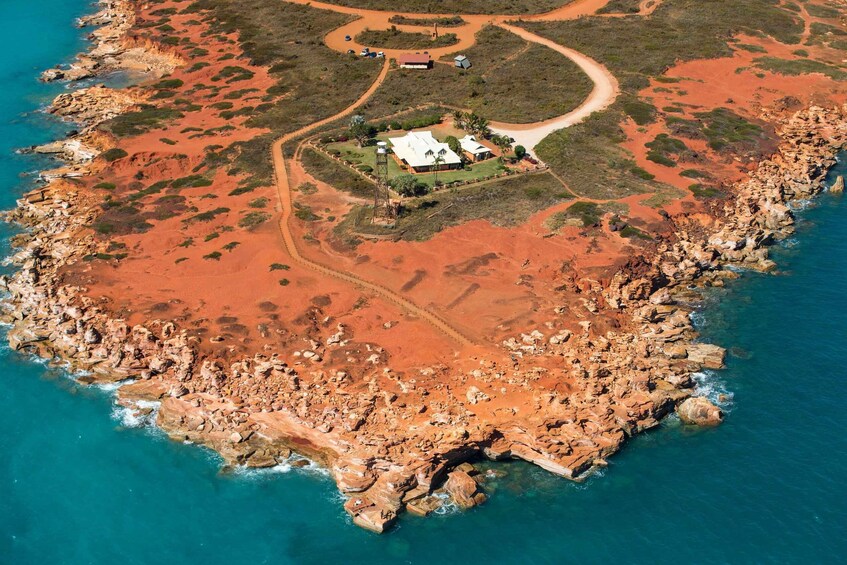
603, 94
286, 203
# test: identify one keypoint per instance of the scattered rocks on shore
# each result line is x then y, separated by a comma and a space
92, 106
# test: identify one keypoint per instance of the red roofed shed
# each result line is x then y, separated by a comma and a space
415, 61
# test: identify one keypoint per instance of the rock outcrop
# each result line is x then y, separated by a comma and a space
699, 411
464, 489
838, 186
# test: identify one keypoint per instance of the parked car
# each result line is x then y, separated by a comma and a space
381, 54
347, 38
350, 52
366, 52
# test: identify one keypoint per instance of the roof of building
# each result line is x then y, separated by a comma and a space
419, 149
414, 59
472, 146
460, 58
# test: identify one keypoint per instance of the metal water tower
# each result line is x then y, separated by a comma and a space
382, 161
383, 211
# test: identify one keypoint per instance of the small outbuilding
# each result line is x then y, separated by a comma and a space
462, 62
476, 150
421, 61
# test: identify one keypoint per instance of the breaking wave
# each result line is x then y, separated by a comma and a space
294, 462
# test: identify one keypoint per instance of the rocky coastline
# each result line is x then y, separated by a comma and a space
114, 47
390, 444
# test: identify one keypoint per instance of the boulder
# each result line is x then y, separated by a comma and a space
838, 186
92, 336
708, 355
368, 516
464, 490
700, 412
424, 506
474, 395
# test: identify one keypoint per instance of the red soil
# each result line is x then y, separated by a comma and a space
491, 282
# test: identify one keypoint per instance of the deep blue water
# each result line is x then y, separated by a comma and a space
77, 486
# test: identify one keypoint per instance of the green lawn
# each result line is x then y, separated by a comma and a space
356, 156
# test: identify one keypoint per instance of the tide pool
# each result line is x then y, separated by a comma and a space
79, 484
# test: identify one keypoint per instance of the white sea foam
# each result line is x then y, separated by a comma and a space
697, 318
708, 384
800, 205
139, 414
736, 269
293, 463
448, 506
112, 387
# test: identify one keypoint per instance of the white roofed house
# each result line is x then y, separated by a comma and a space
421, 152
476, 150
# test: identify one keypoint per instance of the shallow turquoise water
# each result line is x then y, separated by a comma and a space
76, 486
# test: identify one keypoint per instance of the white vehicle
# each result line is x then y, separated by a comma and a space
381, 54
366, 52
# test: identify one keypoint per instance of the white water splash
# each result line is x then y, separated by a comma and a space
448, 506
139, 414
708, 384
801, 205
294, 462
109, 387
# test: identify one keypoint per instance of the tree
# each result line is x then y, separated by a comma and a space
455, 146
504, 142
477, 125
408, 185
520, 151
459, 119
453, 143
360, 130
436, 164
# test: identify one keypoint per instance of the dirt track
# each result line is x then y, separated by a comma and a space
283, 188
603, 94
529, 135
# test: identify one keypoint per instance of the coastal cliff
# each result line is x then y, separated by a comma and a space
393, 441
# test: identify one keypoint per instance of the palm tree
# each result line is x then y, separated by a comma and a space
482, 127
504, 142
459, 119
436, 163
477, 125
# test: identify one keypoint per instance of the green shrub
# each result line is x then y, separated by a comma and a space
253, 220
207, 216
113, 154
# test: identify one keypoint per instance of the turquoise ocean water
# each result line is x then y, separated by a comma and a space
80, 485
